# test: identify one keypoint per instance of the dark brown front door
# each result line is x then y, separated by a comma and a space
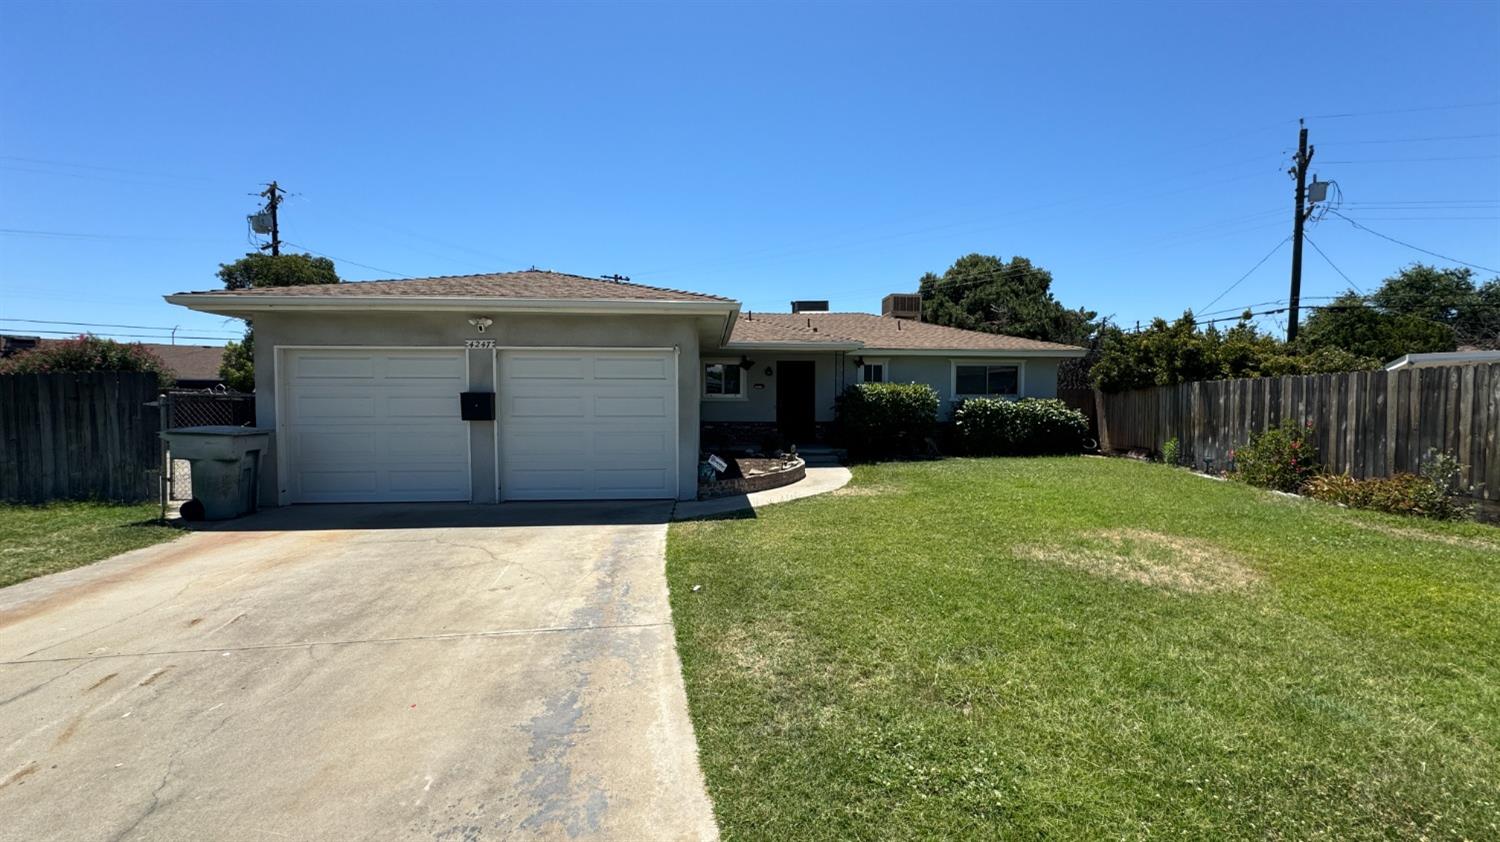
795, 402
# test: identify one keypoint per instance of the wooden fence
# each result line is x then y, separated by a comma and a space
1367, 423
78, 437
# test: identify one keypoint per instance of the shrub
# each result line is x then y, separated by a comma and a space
993, 427
881, 420
1171, 451
1427, 494
86, 354
1281, 458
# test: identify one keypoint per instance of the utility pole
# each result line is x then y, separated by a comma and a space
273, 198
1298, 171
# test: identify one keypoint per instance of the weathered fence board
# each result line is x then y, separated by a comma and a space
78, 437
1368, 423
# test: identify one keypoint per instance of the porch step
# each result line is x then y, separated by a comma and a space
822, 457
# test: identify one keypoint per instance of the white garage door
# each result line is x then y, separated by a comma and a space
374, 425
588, 425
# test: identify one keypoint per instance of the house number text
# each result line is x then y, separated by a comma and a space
479, 343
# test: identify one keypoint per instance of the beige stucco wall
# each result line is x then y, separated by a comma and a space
837, 371
450, 330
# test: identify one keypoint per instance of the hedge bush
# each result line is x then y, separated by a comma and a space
883, 420
88, 353
1281, 458
1424, 495
1031, 426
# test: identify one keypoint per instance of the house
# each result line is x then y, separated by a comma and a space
575, 387
195, 366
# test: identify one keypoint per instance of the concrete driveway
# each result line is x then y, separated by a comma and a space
444, 672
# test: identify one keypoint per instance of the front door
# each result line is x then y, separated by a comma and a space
795, 402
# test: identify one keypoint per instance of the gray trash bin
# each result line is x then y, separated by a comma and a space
226, 466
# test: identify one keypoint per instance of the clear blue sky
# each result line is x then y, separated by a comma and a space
759, 150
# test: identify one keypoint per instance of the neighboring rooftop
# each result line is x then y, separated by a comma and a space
1474, 357
527, 284
866, 330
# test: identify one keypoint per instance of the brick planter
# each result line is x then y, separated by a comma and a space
749, 485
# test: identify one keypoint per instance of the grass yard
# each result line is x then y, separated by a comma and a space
36, 540
1082, 648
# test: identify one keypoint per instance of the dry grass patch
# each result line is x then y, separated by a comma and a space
1154, 559
1408, 533
862, 491
754, 650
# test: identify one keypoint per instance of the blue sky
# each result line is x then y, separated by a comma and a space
763, 151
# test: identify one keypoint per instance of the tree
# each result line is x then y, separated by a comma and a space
982, 292
265, 270
284, 270
1445, 296
1166, 353
1352, 325
88, 353
237, 367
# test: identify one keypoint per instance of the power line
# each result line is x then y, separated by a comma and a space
1405, 110
1414, 160
1257, 265
1409, 245
1412, 139
95, 324
133, 335
1330, 262
78, 235
350, 262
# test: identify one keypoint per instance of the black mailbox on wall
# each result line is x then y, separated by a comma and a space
477, 406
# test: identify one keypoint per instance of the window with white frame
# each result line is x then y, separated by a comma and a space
723, 380
874, 371
986, 380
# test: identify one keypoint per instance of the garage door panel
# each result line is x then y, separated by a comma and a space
424, 368
326, 366
529, 367
338, 446
630, 406
547, 406
644, 482
622, 443
393, 436
402, 406
592, 425
544, 444
630, 368
310, 409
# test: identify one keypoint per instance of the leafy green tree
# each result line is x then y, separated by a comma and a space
237, 368
284, 270
983, 292
88, 353
265, 270
1353, 325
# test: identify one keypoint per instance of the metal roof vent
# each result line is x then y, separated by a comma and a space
809, 306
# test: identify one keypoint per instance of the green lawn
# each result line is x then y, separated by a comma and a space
1083, 649
36, 540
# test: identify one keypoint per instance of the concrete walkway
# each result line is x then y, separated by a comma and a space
817, 481
442, 672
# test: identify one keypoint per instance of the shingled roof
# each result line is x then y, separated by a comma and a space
532, 284
877, 332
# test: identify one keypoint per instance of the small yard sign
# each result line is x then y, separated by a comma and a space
717, 463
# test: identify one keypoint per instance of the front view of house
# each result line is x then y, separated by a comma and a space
538, 385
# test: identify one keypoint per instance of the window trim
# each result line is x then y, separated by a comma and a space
859, 370
1020, 366
705, 362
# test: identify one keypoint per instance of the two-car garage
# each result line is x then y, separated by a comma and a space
383, 424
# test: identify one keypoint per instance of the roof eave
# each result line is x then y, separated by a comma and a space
234, 305
771, 345
1070, 353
